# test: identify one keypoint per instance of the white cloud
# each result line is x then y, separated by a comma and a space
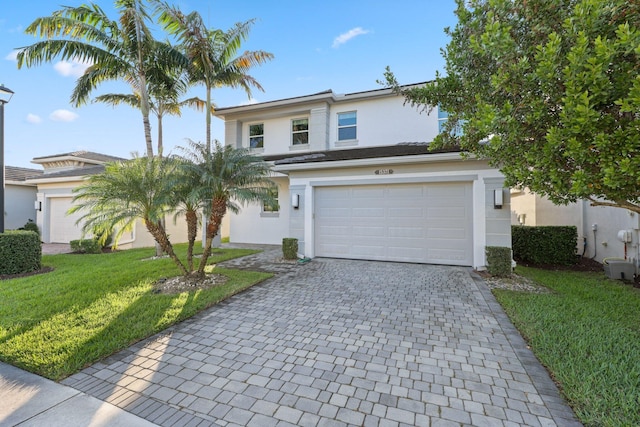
63, 116
33, 118
13, 56
345, 37
73, 68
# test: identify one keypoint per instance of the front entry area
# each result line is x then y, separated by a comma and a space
418, 222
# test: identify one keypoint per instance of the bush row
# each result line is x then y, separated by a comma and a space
544, 245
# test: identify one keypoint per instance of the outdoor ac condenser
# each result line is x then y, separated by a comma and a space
619, 270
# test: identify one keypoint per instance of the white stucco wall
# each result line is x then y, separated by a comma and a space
252, 225
18, 205
384, 121
380, 121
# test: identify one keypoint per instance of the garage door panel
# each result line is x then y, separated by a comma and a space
365, 192
447, 233
406, 232
371, 231
428, 223
407, 212
367, 213
366, 251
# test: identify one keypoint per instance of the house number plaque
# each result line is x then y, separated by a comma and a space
383, 171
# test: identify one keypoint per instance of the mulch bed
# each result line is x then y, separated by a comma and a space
31, 273
583, 264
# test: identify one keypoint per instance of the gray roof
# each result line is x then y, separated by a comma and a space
89, 155
15, 173
402, 149
84, 171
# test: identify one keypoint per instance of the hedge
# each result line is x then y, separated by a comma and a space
20, 252
86, 246
290, 248
498, 260
555, 245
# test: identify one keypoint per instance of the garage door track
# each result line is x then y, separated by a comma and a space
338, 343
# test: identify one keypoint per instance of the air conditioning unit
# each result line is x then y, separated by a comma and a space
619, 270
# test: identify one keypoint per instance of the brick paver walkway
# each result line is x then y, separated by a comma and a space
338, 343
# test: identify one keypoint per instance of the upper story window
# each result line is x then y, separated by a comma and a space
299, 131
256, 135
347, 126
443, 116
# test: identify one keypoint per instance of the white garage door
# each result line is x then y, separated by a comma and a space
423, 223
62, 227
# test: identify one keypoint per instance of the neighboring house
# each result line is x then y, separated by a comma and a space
64, 172
356, 180
19, 196
598, 226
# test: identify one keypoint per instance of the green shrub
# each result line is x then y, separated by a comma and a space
20, 252
86, 246
498, 260
289, 248
31, 226
554, 245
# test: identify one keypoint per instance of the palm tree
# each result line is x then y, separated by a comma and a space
224, 178
212, 53
119, 50
126, 191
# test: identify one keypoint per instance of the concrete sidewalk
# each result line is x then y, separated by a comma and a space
30, 400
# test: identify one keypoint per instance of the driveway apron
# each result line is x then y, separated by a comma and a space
338, 343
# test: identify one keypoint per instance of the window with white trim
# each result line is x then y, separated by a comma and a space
443, 116
271, 206
256, 135
299, 131
347, 126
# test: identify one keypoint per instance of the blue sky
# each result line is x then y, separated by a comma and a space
334, 44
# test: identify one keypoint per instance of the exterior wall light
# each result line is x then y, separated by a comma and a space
295, 201
497, 198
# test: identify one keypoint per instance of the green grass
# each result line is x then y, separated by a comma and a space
587, 333
91, 306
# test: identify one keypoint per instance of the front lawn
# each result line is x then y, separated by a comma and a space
91, 306
587, 333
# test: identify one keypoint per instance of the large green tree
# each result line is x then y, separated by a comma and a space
213, 53
548, 91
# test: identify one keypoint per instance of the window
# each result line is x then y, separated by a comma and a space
300, 131
271, 206
347, 126
256, 135
443, 116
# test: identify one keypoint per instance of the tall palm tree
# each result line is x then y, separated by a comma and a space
212, 53
120, 50
224, 178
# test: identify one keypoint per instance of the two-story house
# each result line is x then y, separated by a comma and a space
356, 180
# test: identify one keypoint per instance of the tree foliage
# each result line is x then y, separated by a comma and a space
548, 91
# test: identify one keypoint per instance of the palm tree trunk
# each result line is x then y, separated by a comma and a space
208, 113
218, 209
160, 235
192, 231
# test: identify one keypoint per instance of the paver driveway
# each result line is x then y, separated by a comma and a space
336, 343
